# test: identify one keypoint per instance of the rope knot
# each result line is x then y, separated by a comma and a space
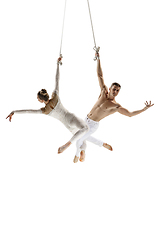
97, 53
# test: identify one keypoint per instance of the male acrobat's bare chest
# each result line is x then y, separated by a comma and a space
105, 107
106, 104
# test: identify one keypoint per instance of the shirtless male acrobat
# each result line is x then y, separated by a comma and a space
105, 106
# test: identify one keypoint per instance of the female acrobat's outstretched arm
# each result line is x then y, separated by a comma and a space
22, 111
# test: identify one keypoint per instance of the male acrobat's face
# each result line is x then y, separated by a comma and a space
114, 90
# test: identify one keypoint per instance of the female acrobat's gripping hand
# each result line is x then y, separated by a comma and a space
10, 116
148, 105
59, 59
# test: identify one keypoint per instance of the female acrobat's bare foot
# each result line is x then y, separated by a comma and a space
75, 160
107, 146
82, 156
64, 147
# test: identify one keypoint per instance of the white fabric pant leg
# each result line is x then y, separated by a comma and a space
95, 141
93, 126
83, 146
77, 126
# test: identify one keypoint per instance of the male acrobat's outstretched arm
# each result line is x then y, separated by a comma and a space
127, 113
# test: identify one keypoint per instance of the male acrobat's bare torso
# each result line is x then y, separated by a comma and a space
103, 107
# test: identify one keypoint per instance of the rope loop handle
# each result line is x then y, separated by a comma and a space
97, 51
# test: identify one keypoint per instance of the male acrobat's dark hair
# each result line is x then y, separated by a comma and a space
115, 84
43, 95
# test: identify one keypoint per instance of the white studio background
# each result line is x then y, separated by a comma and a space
112, 195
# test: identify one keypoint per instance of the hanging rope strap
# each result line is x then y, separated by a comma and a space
95, 47
60, 54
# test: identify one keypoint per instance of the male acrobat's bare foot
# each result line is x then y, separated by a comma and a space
75, 160
64, 147
82, 156
107, 146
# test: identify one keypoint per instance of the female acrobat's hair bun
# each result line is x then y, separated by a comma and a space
43, 91
43, 95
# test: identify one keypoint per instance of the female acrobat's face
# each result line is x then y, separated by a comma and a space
41, 101
114, 90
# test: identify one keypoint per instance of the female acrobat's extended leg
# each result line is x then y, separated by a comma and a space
73, 121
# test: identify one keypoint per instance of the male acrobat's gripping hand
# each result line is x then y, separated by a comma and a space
97, 55
10, 116
148, 105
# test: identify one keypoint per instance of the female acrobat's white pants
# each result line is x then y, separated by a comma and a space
81, 143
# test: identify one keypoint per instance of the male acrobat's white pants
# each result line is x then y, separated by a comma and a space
81, 144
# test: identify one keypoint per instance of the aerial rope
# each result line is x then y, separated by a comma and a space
60, 53
95, 47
